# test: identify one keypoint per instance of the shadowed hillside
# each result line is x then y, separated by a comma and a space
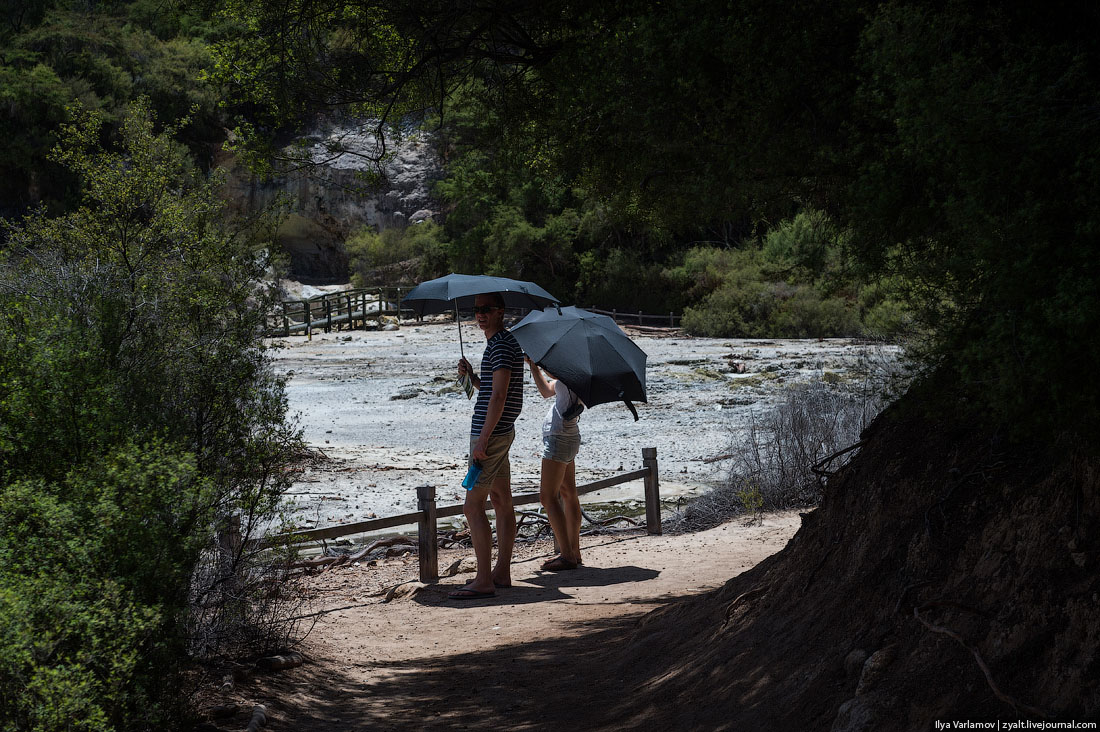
953, 581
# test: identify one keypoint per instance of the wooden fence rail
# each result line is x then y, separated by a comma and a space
428, 514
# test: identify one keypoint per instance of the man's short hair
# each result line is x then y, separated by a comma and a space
498, 299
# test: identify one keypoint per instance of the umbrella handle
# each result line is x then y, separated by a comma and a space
461, 350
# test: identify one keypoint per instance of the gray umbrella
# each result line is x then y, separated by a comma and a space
588, 352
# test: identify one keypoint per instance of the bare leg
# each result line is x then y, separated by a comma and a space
549, 495
571, 505
501, 496
481, 535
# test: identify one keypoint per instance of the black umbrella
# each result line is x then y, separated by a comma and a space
588, 352
460, 290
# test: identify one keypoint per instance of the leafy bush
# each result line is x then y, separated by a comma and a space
795, 285
754, 309
370, 252
137, 411
624, 281
802, 248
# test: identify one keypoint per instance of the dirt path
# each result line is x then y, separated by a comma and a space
534, 657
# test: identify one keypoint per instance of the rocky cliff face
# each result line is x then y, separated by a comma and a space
338, 188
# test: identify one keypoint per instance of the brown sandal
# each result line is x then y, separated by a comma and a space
558, 564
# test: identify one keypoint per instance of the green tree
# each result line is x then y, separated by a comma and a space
102, 55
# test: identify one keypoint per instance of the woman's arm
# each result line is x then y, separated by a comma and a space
546, 388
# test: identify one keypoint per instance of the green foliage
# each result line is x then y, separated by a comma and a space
795, 285
620, 279
371, 254
807, 247
137, 410
752, 501
103, 55
89, 596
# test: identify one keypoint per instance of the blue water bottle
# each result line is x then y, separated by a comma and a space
472, 475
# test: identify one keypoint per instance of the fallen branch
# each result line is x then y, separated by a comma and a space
607, 521
1017, 706
319, 562
392, 541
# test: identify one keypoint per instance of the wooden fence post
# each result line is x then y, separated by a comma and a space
671, 320
328, 315
652, 491
286, 322
426, 533
309, 319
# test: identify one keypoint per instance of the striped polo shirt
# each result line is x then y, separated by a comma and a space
501, 352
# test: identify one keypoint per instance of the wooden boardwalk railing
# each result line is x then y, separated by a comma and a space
428, 514
355, 308
334, 310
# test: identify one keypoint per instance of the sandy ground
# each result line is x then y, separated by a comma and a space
384, 406
520, 660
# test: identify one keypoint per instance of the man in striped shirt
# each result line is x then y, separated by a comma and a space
499, 401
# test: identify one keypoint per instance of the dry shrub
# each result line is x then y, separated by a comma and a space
772, 465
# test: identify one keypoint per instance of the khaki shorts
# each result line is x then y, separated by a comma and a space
562, 447
497, 464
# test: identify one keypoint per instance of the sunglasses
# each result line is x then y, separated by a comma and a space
485, 309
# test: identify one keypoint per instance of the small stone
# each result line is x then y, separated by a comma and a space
853, 662
874, 668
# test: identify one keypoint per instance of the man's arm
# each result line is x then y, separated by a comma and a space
501, 377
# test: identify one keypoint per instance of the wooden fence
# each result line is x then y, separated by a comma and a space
428, 514
628, 317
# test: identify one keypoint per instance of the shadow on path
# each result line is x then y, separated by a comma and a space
540, 684
547, 586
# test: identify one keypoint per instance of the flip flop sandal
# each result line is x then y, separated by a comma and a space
465, 594
558, 564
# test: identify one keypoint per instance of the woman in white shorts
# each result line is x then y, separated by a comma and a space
561, 439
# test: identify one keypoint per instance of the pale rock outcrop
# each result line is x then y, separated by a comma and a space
339, 187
